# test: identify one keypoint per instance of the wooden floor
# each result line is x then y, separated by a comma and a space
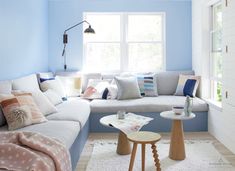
87, 151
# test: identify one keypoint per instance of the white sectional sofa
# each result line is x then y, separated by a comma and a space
77, 117
150, 106
70, 124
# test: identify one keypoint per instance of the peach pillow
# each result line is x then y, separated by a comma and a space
20, 110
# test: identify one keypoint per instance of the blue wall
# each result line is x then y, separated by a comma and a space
64, 13
24, 37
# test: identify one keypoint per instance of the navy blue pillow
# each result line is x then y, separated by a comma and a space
189, 87
46, 79
105, 93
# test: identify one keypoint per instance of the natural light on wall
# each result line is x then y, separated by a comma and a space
125, 42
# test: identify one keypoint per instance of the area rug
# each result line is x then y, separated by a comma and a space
201, 156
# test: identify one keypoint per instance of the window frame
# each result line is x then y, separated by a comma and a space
213, 79
124, 59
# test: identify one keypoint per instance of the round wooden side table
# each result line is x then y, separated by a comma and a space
177, 149
143, 138
123, 145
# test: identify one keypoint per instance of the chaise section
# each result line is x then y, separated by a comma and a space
75, 109
65, 131
146, 104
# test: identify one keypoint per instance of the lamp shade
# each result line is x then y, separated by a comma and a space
89, 30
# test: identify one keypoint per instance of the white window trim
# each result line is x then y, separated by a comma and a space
123, 36
211, 69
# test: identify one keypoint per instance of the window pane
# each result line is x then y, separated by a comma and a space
217, 16
217, 91
217, 64
103, 57
144, 28
107, 27
145, 57
217, 41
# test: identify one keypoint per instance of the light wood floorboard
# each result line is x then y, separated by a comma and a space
87, 151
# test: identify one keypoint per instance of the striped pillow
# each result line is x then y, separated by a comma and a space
148, 85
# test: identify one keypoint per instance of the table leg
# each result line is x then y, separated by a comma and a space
143, 157
177, 149
155, 156
132, 157
123, 146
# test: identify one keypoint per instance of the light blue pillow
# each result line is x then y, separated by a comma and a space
128, 88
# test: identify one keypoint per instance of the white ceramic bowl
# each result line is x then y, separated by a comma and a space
178, 109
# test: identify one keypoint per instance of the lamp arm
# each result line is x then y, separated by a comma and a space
84, 21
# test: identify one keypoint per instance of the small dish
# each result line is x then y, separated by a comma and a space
178, 110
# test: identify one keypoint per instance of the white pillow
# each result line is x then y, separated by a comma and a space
28, 83
113, 91
54, 85
128, 88
45, 106
53, 97
95, 89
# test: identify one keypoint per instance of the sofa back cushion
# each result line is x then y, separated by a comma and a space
27, 83
5, 87
168, 81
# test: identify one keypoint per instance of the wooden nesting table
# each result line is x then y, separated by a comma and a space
123, 145
177, 149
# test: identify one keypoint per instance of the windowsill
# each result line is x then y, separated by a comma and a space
216, 105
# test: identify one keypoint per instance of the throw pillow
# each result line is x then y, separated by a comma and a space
189, 87
53, 97
95, 89
128, 88
21, 111
46, 79
148, 85
181, 85
113, 90
53, 84
44, 105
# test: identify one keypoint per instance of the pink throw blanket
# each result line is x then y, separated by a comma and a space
28, 151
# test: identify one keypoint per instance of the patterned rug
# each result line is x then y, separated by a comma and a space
200, 156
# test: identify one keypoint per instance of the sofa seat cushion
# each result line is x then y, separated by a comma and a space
65, 131
145, 104
74, 109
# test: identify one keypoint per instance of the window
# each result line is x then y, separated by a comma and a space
216, 52
125, 42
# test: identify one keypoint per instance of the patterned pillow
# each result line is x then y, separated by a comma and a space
27, 99
183, 87
148, 85
17, 116
23, 107
95, 89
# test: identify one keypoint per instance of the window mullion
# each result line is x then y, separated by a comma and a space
124, 45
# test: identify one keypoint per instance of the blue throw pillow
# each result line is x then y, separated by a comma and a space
105, 93
46, 79
189, 87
